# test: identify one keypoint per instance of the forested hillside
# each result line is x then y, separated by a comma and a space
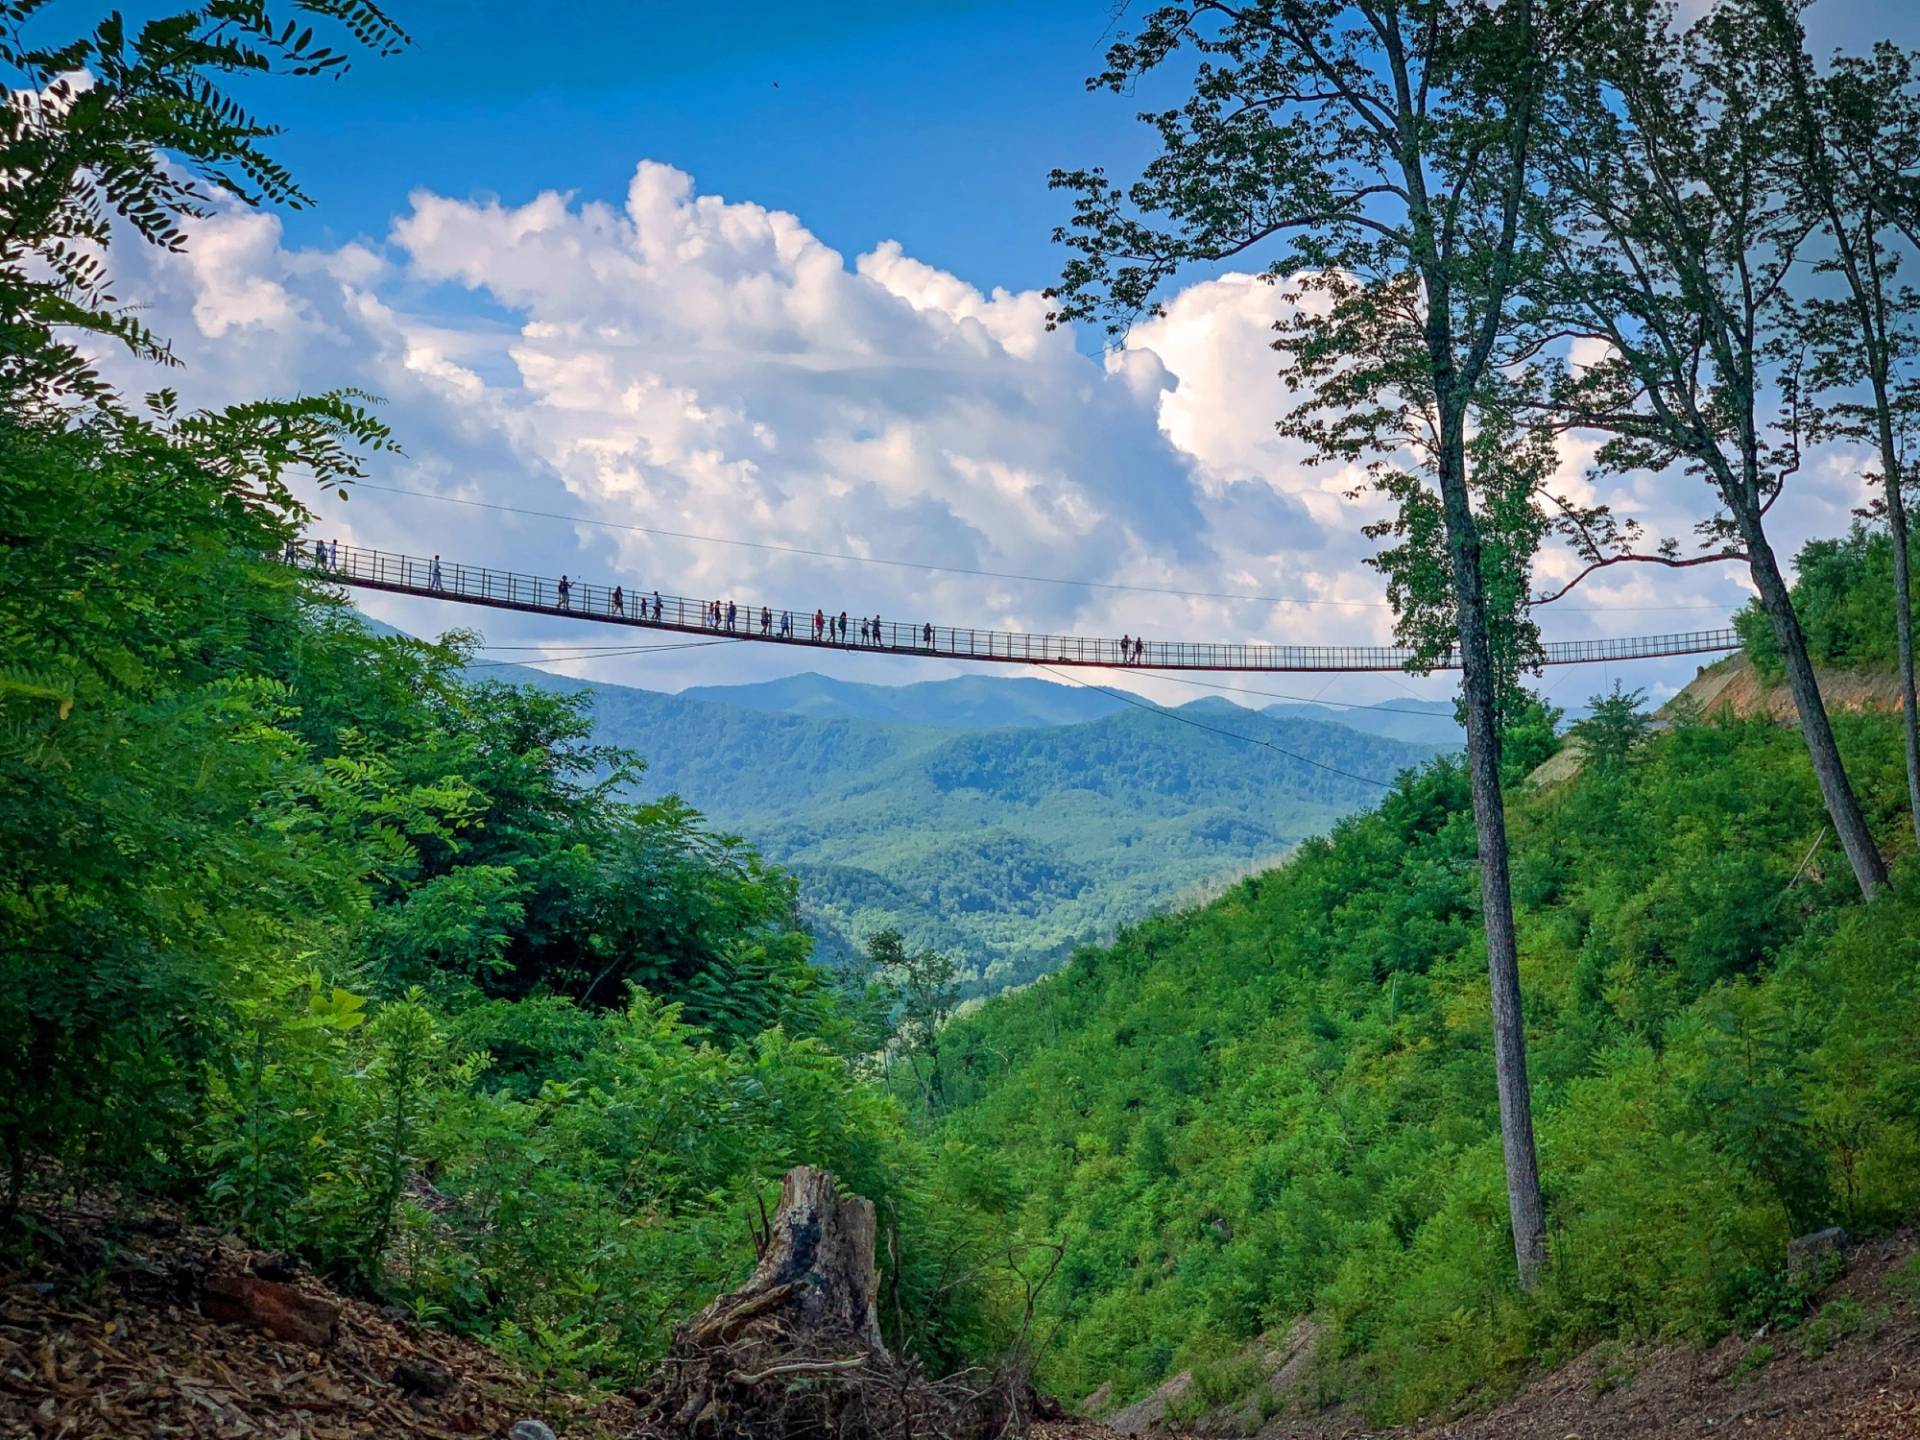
1281, 1105
1006, 845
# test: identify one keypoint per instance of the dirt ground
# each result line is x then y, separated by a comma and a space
107, 1337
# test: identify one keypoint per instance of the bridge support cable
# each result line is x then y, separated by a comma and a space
771, 624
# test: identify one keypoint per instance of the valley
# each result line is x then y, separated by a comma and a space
1003, 821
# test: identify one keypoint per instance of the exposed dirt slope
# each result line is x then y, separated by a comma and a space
129, 1329
1732, 686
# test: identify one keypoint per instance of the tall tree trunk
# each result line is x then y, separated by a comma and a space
1903, 629
1867, 286
1479, 687
1828, 769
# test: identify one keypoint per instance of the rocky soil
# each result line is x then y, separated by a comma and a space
130, 1327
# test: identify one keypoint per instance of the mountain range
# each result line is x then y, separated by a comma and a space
1004, 820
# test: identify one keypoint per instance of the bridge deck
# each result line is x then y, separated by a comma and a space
538, 594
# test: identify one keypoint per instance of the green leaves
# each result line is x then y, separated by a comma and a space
118, 129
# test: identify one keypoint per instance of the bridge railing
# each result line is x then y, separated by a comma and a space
508, 589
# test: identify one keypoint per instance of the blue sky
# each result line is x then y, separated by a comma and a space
937, 123
773, 273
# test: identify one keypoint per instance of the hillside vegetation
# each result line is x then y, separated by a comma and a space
1282, 1104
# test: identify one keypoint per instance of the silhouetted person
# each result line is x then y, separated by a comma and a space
843, 627
1126, 648
433, 575
926, 634
566, 594
819, 624
619, 601
656, 607
876, 629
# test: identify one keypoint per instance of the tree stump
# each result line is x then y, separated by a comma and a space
816, 1281
796, 1352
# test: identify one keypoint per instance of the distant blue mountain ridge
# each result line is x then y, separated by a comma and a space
970, 702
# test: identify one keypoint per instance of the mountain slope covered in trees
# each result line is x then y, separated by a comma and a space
1281, 1105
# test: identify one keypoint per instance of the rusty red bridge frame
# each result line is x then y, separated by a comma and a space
539, 595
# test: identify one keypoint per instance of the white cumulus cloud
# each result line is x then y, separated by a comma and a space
688, 363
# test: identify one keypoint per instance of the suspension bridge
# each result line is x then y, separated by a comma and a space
785, 625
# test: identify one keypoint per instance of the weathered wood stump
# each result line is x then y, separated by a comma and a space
816, 1279
796, 1352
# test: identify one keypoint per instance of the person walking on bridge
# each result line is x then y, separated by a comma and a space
786, 624
1126, 648
926, 635
1139, 648
819, 625
617, 602
876, 629
656, 607
843, 627
566, 594
333, 555
766, 620
320, 554
732, 614
433, 575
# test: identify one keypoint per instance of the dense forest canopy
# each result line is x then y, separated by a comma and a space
1006, 845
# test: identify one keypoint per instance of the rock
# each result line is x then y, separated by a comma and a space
422, 1377
1288, 1362
282, 1265
1813, 1260
280, 1310
530, 1430
1098, 1400
157, 1227
1143, 1415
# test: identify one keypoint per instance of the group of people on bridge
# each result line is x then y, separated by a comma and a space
727, 617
